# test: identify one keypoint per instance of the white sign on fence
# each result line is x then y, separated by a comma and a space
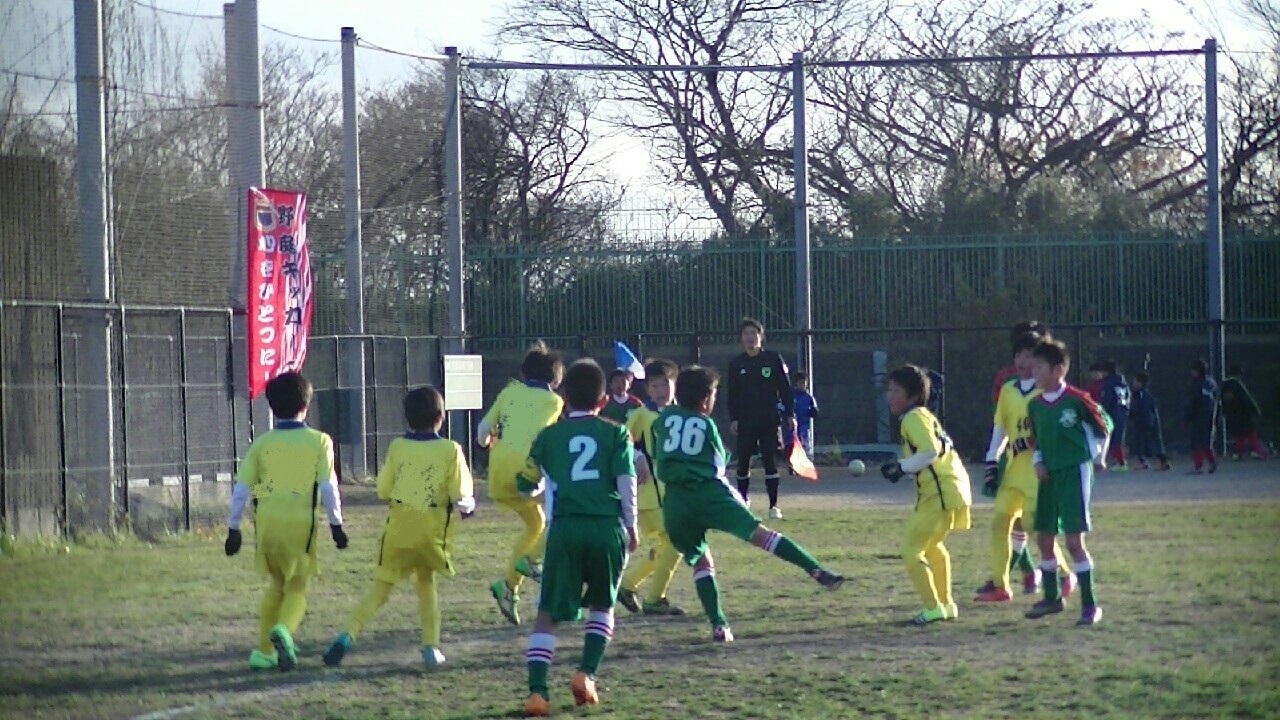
463, 382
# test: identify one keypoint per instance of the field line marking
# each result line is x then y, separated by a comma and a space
236, 699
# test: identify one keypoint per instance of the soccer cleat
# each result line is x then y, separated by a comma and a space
1119, 468
1031, 582
950, 611
432, 657
629, 600
827, 579
1235, 457
529, 569
1067, 584
929, 616
337, 650
661, 607
583, 687
994, 594
775, 513
988, 586
536, 706
1090, 615
722, 633
507, 601
286, 651
259, 660
1044, 607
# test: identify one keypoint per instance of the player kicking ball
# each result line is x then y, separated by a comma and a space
690, 458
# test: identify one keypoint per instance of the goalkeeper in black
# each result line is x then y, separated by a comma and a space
758, 388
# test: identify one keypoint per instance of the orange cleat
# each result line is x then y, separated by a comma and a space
536, 706
583, 687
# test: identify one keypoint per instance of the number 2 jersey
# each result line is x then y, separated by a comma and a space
581, 458
687, 448
943, 484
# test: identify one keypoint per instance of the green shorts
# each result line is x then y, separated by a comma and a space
1063, 502
582, 565
689, 511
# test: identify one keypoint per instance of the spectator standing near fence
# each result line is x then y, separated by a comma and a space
758, 385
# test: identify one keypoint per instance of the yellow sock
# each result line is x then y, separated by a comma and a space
531, 543
643, 568
269, 615
1001, 549
1064, 567
294, 604
429, 609
364, 612
664, 570
940, 571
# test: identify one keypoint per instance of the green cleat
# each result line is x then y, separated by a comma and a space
286, 651
507, 601
433, 658
662, 607
529, 569
338, 650
930, 616
259, 660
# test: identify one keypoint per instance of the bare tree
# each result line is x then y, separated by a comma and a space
961, 146
722, 134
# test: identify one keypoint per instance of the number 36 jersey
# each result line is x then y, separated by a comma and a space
581, 458
944, 481
687, 447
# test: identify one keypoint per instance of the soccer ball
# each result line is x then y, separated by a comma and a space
857, 467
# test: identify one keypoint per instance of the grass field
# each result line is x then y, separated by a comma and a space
1191, 592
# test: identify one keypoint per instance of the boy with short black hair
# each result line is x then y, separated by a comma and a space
1145, 437
286, 472
661, 560
1070, 432
942, 492
583, 466
690, 459
423, 479
806, 410
620, 403
519, 413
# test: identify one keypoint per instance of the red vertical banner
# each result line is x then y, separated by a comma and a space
279, 285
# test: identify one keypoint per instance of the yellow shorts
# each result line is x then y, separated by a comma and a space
503, 468
285, 544
650, 522
929, 526
1013, 502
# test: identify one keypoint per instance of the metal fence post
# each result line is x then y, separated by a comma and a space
124, 409
182, 403
1213, 217
64, 508
800, 168
5, 530
354, 367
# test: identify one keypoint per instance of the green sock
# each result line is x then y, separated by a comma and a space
709, 595
1049, 576
592, 653
1086, 587
794, 554
1022, 560
538, 678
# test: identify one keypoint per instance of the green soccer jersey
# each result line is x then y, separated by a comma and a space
618, 411
1069, 427
687, 447
581, 457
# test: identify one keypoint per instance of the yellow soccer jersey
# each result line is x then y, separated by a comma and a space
423, 477
944, 481
517, 416
640, 427
1011, 417
286, 464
